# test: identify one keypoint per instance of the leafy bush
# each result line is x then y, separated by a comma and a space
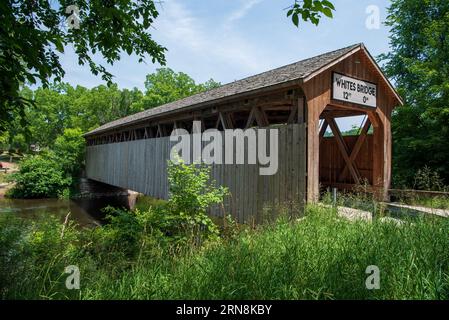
180, 220
39, 176
191, 193
428, 179
49, 174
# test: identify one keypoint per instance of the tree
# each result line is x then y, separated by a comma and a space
33, 32
69, 150
310, 10
419, 65
166, 85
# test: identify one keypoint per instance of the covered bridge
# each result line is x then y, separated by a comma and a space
302, 100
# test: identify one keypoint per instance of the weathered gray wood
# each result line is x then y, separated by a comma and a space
141, 165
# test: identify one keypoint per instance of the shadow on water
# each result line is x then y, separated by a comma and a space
85, 209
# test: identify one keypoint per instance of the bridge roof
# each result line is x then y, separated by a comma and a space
298, 71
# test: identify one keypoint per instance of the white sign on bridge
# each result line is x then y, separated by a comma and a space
348, 89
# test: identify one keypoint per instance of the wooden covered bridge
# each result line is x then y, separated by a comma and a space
302, 100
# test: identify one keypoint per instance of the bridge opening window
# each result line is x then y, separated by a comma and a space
346, 149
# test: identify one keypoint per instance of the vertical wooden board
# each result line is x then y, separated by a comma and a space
267, 200
95, 158
283, 169
118, 163
284, 165
139, 159
242, 191
115, 154
145, 166
227, 180
159, 164
250, 190
250, 178
233, 179
148, 165
127, 156
108, 159
130, 178
259, 195
229, 177
155, 167
152, 169
162, 168
238, 191
246, 194
223, 181
302, 187
137, 167
122, 165
103, 155
167, 158
256, 190
275, 185
255, 183
296, 161
104, 171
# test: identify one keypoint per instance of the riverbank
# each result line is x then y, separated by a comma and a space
5, 185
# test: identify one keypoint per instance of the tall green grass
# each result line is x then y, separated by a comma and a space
320, 256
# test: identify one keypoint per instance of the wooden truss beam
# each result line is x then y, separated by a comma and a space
343, 149
259, 115
225, 120
323, 129
358, 145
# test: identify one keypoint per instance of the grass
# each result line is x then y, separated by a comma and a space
318, 257
144, 202
437, 202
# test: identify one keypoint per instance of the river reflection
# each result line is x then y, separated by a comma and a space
85, 210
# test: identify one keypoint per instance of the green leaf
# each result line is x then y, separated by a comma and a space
328, 4
295, 19
327, 12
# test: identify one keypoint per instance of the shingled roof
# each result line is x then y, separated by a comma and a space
292, 72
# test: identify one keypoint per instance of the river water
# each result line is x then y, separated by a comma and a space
85, 209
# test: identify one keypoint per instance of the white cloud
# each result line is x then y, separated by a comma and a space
180, 30
243, 10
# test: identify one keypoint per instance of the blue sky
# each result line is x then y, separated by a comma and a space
230, 39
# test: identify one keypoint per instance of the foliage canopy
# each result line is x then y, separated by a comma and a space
35, 33
419, 65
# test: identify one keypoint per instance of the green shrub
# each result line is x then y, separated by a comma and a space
39, 176
191, 193
183, 218
428, 179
